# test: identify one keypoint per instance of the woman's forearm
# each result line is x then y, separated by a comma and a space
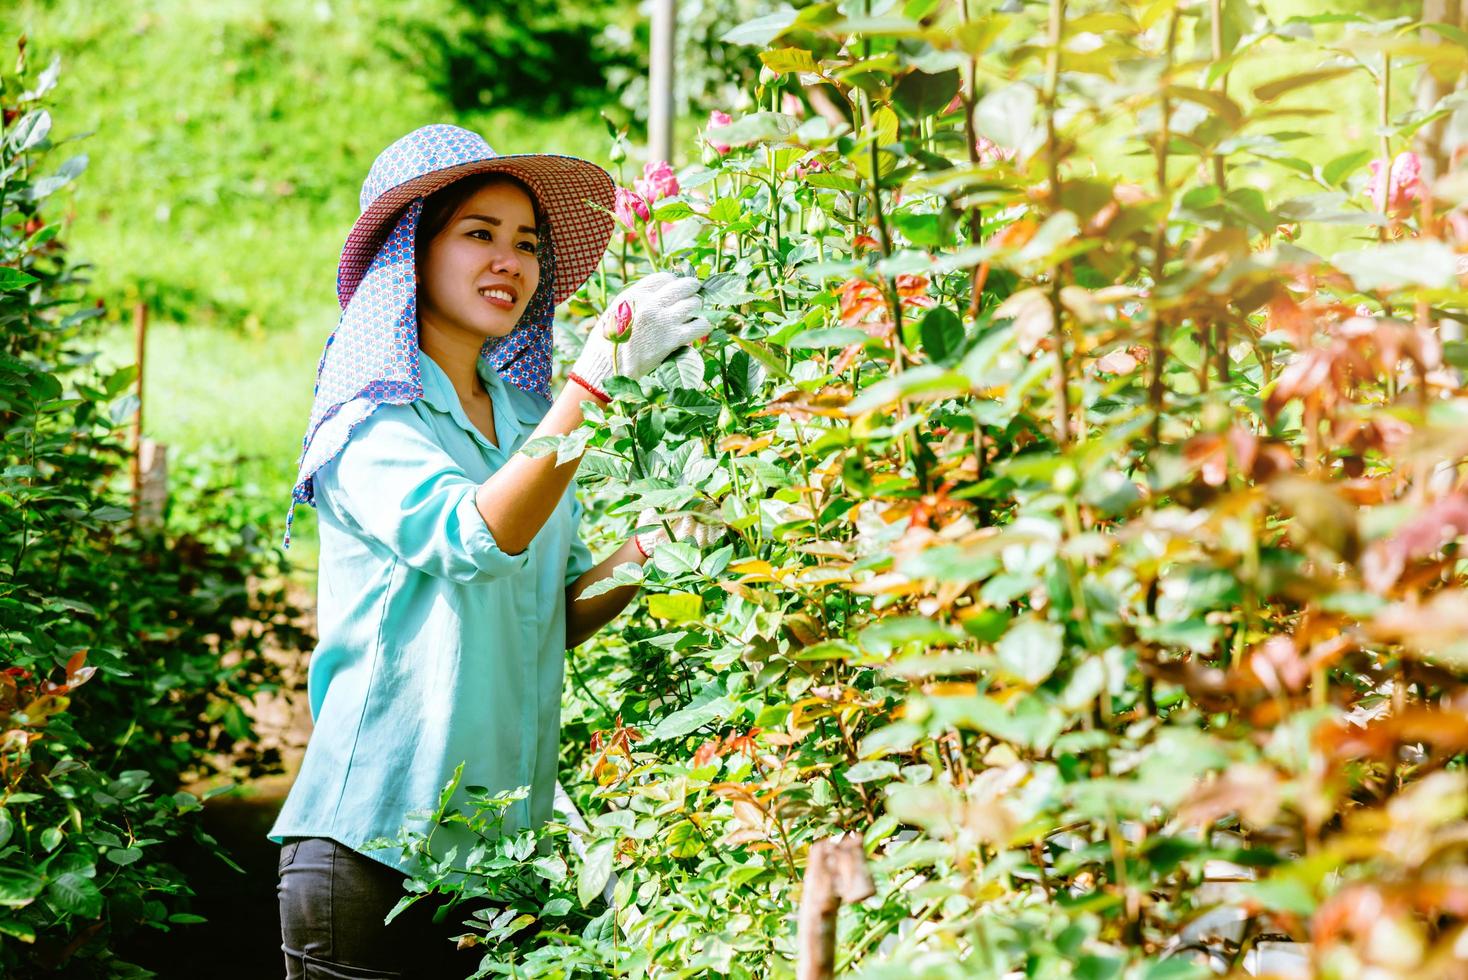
584, 617
521, 496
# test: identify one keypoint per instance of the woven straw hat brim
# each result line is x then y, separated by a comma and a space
575, 195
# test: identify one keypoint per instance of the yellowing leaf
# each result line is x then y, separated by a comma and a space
675, 607
783, 60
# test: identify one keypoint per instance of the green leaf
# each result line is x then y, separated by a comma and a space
758, 127
691, 718
886, 635
16, 929
18, 887
596, 870
828, 650
1343, 166
1007, 115
1031, 649
783, 60
73, 894
724, 210
824, 338
676, 557
50, 839
1281, 894
1398, 264
672, 211
920, 94
684, 840
550, 867
11, 279
32, 128
760, 31
941, 332
7, 826
556, 908
1270, 91
834, 181
865, 772
676, 607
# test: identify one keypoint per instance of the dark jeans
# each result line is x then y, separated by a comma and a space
332, 903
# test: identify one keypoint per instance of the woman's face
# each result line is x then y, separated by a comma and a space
479, 273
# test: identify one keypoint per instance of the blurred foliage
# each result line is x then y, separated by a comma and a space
543, 59
167, 628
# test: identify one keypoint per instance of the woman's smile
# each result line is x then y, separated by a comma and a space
502, 297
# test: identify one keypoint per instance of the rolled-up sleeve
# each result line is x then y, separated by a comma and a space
579, 561
400, 489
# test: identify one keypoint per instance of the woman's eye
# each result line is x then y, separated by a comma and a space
481, 231
530, 247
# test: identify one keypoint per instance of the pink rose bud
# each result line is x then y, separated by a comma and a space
629, 207
1404, 184
717, 120
621, 323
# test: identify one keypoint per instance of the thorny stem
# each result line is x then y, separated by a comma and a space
1052, 152
971, 137
1216, 30
1215, 334
1159, 241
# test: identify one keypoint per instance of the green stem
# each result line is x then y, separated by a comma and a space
1159, 239
1052, 152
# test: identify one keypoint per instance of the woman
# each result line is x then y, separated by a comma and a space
451, 567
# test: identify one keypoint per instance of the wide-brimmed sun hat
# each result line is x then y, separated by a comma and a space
575, 196
372, 357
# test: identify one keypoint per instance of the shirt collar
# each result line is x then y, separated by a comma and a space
439, 394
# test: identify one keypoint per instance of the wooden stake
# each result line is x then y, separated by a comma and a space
140, 340
835, 872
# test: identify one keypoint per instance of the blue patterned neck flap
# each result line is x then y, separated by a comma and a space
371, 358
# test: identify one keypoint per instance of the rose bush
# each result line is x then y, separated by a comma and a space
1093, 541
91, 806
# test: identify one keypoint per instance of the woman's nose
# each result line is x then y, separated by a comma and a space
505, 263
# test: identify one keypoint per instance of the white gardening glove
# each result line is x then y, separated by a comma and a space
654, 317
685, 528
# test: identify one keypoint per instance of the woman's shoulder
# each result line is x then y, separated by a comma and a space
364, 428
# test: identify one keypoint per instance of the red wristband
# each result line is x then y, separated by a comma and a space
602, 396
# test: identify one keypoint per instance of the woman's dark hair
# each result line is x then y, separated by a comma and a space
444, 203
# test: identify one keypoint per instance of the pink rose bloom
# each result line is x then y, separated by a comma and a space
991, 152
657, 182
811, 166
791, 105
629, 207
1403, 183
718, 119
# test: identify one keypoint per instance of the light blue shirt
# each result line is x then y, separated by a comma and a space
436, 647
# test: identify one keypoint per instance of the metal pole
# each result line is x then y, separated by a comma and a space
660, 80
